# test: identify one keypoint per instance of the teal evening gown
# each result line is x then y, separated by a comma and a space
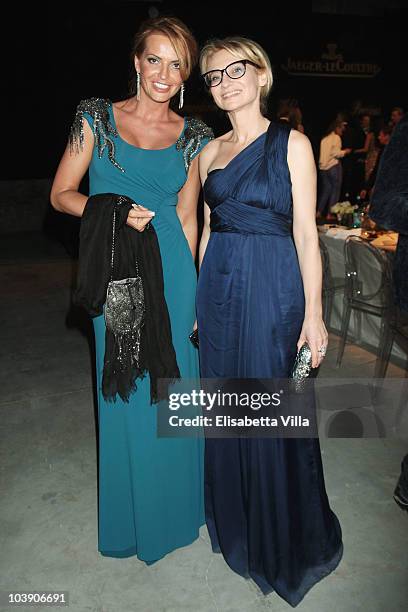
150, 488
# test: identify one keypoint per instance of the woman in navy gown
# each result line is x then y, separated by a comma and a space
258, 301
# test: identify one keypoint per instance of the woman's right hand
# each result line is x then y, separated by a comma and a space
139, 217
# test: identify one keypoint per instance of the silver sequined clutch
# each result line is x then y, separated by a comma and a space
301, 368
124, 307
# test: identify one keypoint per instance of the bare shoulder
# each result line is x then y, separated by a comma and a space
211, 150
299, 149
298, 142
225, 137
207, 155
125, 106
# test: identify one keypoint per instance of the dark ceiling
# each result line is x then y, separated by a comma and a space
59, 53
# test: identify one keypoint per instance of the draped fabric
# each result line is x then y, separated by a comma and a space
267, 509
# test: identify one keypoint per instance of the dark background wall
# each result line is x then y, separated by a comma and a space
59, 53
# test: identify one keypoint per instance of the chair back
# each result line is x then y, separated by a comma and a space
326, 271
368, 274
399, 326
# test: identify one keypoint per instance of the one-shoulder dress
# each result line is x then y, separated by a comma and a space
150, 488
267, 509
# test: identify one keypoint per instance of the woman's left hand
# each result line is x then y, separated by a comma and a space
314, 332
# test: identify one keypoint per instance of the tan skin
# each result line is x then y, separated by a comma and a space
240, 98
147, 123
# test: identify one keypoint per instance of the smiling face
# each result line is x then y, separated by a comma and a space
159, 68
234, 94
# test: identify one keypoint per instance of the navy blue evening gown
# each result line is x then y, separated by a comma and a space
266, 505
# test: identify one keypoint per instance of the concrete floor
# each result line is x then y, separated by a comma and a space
48, 511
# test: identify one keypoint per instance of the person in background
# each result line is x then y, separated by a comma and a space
389, 209
330, 169
363, 139
384, 136
397, 114
372, 153
289, 112
348, 141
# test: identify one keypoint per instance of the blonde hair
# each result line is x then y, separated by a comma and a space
180, 37
241, 48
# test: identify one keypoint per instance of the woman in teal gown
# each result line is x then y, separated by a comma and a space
150, 488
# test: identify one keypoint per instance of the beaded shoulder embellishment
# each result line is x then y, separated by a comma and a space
191, 139
103, 129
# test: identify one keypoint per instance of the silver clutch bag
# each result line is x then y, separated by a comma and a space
301, 368
125, 310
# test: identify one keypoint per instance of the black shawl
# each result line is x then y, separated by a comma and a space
157, 354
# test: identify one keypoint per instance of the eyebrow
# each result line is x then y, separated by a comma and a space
158, 57
230, 64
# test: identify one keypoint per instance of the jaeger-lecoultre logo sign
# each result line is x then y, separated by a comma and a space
330, 64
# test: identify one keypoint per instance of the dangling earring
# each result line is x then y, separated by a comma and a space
181, 102
137, 85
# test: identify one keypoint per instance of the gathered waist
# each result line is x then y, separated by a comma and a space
234, 216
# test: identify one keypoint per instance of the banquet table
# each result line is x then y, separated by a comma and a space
334, 239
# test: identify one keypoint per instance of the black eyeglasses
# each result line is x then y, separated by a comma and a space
236, 70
